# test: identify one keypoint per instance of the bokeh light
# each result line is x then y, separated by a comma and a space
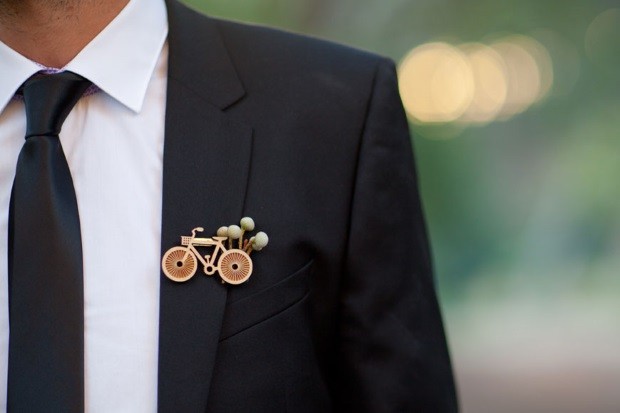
474, 83
436, 83
524, 81
491, 83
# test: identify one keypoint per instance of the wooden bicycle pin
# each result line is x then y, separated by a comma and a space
231, 259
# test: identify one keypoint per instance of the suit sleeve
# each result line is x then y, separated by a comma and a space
393, 355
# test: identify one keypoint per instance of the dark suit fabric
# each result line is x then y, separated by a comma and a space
310, 139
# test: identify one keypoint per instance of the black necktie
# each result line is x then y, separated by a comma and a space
46, 298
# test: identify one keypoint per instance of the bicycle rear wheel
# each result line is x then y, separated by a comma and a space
235, 266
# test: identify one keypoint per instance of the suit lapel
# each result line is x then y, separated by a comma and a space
206, 165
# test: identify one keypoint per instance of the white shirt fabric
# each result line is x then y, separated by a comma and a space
113, 141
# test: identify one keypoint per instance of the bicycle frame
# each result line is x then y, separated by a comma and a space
209, 260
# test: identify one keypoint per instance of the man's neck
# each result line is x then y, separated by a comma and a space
53, 32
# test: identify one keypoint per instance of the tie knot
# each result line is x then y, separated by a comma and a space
49, 99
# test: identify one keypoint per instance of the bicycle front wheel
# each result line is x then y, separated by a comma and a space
175, 267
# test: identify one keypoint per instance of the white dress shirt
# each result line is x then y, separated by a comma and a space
113, 141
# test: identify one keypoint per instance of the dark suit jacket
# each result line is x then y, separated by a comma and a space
308, 138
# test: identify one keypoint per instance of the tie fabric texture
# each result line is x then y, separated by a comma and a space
46, 295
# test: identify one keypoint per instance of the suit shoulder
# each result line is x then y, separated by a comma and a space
291, 42
292, 51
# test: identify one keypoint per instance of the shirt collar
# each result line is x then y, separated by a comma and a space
15, 69
120, 60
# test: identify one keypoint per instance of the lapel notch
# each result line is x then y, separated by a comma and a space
198, 57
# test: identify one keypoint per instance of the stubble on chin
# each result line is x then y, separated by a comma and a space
9, 16
9, 9
15, 8
14, 11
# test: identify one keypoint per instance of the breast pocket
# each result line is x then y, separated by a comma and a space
252, 310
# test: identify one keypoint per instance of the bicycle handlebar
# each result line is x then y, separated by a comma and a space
197, 229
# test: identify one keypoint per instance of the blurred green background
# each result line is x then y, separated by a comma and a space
524, 209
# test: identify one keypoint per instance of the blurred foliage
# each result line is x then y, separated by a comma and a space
528, 205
